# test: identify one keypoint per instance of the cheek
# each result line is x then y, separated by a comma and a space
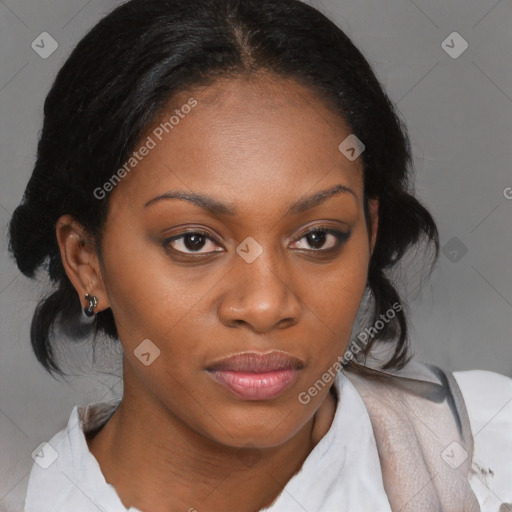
334, 314
333, 296
148, 293
334, 292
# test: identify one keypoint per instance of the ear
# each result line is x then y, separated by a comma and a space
81, 261
374, 216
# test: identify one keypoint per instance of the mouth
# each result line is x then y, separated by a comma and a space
256, 376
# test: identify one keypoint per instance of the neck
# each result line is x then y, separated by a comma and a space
156, 462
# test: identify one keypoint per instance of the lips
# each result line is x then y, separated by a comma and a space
255, 362
256, 376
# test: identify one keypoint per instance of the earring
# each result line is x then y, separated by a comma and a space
93, 302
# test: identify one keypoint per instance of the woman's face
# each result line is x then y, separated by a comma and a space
252, 280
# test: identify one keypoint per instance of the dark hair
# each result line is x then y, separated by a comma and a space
122, 74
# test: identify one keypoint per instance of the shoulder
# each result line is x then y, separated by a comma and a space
488, 400
48, 480
65, 475
479, 401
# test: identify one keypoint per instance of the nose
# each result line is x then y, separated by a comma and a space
260, 296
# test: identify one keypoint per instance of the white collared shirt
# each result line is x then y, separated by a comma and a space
343, 468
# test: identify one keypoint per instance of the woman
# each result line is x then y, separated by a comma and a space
222, 186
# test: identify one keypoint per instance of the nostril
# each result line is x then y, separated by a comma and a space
287, 322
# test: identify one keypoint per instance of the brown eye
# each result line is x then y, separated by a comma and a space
191, 242
322, 239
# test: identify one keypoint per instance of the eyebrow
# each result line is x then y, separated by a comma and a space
217, 208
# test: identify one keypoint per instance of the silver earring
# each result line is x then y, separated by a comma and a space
93, 302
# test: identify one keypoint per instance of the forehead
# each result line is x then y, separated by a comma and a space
243, 137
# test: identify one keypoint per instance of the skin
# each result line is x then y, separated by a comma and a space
179, 440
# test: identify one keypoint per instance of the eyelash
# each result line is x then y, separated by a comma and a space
340, 236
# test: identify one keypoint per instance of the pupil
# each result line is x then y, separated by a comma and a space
194, 241
316, 239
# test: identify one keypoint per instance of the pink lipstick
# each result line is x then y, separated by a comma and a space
257, 376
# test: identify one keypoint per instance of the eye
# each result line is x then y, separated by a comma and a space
319, 240
322, 239
191, 242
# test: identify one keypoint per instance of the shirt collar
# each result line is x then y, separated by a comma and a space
344, 466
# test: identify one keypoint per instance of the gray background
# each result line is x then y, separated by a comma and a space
459, 115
